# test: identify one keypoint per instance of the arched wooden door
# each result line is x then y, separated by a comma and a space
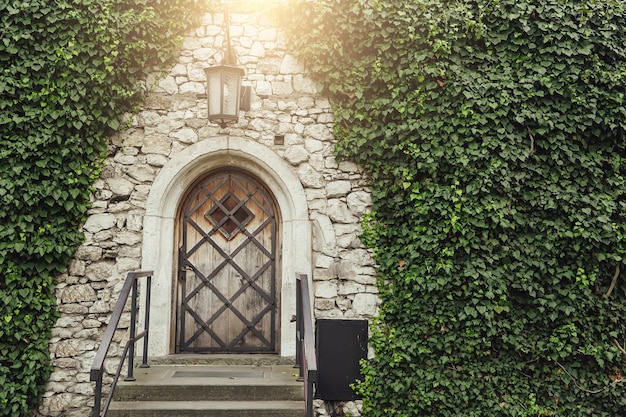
227, 263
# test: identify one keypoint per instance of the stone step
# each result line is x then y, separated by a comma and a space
207, 409
211, 382
211, 391
223, 359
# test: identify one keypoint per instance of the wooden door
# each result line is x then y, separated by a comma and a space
227, 267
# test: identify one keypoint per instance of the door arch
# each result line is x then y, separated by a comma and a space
227, 299
159, 228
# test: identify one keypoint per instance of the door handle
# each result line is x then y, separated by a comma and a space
182, 272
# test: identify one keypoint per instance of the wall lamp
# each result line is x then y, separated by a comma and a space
224, 91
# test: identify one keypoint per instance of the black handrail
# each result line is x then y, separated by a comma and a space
305, 340
98, 361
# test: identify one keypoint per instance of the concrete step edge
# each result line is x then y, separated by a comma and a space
222, 359
209, 393
206, 405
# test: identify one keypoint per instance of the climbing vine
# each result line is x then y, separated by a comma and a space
494, 134
69, 70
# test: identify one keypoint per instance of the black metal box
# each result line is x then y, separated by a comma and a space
340, 345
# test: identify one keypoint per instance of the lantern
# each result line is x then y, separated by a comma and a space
224, 93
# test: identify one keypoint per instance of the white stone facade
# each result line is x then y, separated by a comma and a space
169, 144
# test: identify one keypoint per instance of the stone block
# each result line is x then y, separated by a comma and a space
269, 66
263, 88
196, 123
257, 50
350, 287
268, 34
324, 304
77, 268
99, 222
65, 363
338, 188
91, 324
338, 212
347, 166
325, 118
156, 160
372, 289
99, 271
134, 222
58, 403
315, 194
322, 274
130, 252
192, 87
324, 238
365, 304
360, 257
178, 70
325, 289
344, 304
119, 186
86, 334
125, 265
141, 173
100, 307
67, 348
365, 279
124, 158
185, 135
165, 85
78, 309
329, 314
346, 270
158, 101
84, 389
310, 177
291, 65
102, 195
359, 201
191, 43
323, 261
353, 408
304, 85
127, 238
149, 118
295, 155
103, 236
282, 88
319, 132
159, 144
66, 322
197, 74
119, 207
78, 293
59, 333
202, 54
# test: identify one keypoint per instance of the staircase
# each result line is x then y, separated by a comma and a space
212, 386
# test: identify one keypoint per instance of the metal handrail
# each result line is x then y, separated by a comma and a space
98, 361
306, 357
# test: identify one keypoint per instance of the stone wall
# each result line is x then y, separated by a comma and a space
284, 102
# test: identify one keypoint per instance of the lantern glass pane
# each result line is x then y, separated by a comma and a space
215, 99
231, 89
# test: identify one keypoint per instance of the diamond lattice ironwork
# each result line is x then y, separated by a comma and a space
229, 207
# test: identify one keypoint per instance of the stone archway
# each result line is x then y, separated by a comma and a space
173, 180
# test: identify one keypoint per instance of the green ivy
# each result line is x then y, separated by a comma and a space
494, 134
68, 71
